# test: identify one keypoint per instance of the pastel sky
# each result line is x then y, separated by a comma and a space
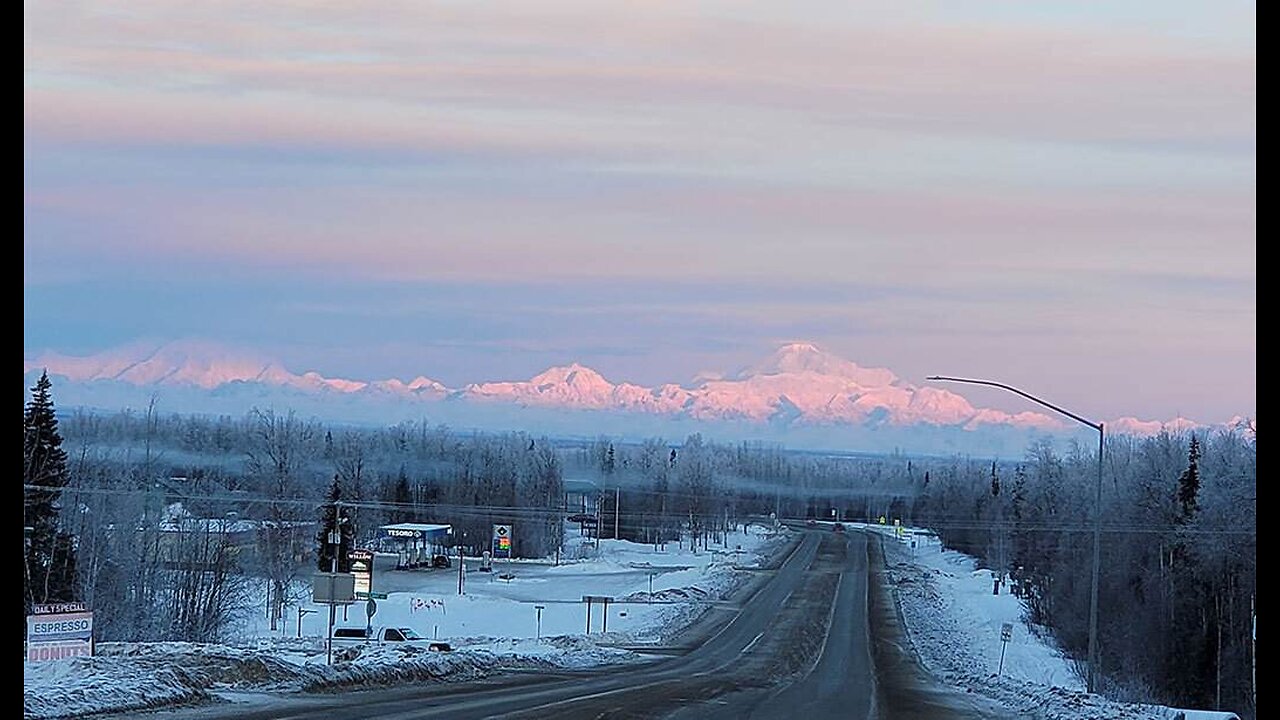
1057, 195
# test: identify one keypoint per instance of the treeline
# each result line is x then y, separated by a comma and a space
657, 491
160, 505
1178, 570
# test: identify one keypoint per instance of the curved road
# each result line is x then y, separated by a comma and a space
801, 644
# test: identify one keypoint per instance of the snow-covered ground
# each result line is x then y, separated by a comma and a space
493, 627
491, 607
954, 622
136, 676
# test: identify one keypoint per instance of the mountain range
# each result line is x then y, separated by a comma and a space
798, 389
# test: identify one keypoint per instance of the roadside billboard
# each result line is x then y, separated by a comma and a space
59, 630
362, 568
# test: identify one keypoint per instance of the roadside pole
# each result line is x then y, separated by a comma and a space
538, 609
302, 612
617, 509
1006, 634
460, 570
335, 539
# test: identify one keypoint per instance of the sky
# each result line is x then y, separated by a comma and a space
1058, 195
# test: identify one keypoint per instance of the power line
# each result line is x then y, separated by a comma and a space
536, 512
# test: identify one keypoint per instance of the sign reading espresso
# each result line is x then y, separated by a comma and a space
59, 630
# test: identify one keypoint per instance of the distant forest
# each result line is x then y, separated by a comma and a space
1179, 548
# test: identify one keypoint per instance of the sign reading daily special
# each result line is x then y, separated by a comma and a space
59, 630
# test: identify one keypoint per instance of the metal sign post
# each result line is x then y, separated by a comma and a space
538, 609
302, 612
333, 589
1006, 634
370, 609
605, 600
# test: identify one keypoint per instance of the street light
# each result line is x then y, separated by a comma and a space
1097, 509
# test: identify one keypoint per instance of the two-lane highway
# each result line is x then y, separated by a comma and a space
802, 644
627, 690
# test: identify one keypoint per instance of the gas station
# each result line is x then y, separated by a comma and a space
414, 544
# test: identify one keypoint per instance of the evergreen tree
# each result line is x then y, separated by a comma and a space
610, 462
995, 482
1189, 481
334, 516
402, 498
50, 553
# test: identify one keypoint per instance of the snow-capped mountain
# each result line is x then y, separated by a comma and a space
798, 386
182, 363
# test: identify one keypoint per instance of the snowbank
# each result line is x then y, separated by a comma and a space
137, 676
494, 627
954, 622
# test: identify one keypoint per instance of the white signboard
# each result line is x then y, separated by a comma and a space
362, 568
59, 631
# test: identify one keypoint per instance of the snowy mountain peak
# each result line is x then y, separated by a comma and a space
182, 362
425, 383
799, 385
805, 357
189, 362
574, 374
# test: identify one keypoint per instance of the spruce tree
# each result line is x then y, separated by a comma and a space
333, 515
50, 553
1189, 481
402, 497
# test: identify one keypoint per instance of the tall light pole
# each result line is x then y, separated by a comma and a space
1097, 510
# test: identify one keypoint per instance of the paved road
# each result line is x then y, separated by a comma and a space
841, 683
800, 647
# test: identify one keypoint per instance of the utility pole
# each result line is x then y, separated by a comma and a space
335, 539
617, 508
460, 569
599, 519
1092, 678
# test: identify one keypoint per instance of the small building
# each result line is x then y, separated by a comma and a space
580, 496
185, 540
414, 544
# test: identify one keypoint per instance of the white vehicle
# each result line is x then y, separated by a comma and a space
376, 634
365, 635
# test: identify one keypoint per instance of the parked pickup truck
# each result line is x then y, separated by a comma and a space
362, 635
